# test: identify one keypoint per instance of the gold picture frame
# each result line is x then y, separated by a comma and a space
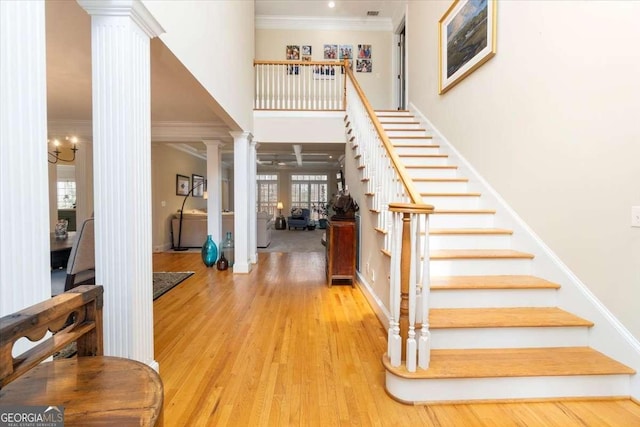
467, 39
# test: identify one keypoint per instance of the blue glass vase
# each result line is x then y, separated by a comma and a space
209, 252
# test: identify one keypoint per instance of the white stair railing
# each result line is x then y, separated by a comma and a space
403, 218
296, 85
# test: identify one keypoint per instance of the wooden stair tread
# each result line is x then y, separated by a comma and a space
468, 231
450, 194
423, 156
478, 254
400, 145
410, 136
516, 362
509, 317
394, 122
463, 211
391, 111
431, 167
440, 179
491, 282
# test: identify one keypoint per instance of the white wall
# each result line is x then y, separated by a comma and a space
214, 39
166, 163
551, 123
271, 45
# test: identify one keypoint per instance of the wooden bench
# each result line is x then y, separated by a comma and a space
94, 389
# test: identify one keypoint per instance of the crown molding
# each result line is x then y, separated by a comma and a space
189, 131
189, 150
268, 22
161, 131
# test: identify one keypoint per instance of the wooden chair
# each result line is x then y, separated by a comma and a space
95, 390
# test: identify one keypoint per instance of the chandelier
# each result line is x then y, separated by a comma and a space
55, 154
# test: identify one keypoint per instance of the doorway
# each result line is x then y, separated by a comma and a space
402, 73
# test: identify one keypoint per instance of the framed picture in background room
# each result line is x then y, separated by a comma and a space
198, 185
182, 185
467, 37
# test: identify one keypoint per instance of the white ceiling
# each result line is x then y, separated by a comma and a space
176, 96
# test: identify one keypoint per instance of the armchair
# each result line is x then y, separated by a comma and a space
299, 221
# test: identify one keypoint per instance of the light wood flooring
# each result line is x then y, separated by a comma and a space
277, 347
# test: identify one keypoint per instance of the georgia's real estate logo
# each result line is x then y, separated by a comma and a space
31, 416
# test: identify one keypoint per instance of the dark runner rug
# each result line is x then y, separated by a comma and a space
165, 281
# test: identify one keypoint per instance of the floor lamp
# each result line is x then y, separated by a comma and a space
179, 247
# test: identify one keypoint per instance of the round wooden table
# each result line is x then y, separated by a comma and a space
106, 391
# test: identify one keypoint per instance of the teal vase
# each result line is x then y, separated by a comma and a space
209, 252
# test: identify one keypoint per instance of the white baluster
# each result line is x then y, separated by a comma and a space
424, 345
395, 341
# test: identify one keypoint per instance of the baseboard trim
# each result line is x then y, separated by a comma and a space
375, 303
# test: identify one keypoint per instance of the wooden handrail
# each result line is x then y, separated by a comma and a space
263, 62
414, 194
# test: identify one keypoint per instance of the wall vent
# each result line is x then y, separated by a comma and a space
373, 12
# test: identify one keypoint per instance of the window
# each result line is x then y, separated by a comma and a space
267, 193
310, 192
66, 186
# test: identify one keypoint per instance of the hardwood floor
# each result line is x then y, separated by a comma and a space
278, 347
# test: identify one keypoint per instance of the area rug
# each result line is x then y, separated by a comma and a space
165, 281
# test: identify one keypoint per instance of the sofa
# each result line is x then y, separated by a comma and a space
264, 227
194, 227
299, 218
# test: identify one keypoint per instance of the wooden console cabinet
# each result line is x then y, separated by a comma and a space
341, 251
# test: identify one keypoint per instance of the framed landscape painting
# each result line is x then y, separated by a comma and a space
467, 37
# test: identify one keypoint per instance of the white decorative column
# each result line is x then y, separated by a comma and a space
53, 195
120, 53
241, 159
25, 266
253, 215
84, 182
214, 190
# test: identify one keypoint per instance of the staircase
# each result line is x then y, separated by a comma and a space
496, 330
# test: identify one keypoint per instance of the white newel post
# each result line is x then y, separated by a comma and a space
25, 277
253, 211
120, 47
214, 190
241, 208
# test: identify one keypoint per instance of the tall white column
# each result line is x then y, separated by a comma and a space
214, 189
253, 216
120, 53
25, 277
53, 195
241, 209
84, 182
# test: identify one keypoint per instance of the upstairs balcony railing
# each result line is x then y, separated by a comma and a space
299, 85
402, 216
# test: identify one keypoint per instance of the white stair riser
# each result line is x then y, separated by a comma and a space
464, 338
411, 141
480, 267
466, 241
452, 202
395, 113
424, 161
433, 173
403, 125
441, 186
400, 132
461, 220
496, 298
417, 149
459, 389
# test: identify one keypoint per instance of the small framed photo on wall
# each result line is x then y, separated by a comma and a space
182, 185
198, 185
